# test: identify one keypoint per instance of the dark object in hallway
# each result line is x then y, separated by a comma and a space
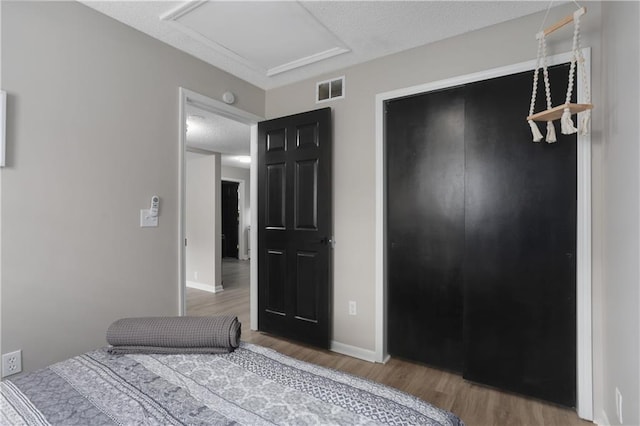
230, 219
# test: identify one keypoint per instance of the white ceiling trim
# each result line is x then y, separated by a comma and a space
172, 19
365, 29
307, 61
181, 10
198, 22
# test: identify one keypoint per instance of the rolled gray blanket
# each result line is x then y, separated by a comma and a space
217, 334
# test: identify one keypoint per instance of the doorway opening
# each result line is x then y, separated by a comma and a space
217, 142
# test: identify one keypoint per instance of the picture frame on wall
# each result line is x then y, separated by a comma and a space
3, 126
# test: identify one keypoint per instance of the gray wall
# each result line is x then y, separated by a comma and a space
201, 219
354, 138
92, 134
620, 292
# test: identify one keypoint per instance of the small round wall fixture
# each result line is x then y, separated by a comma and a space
228, 98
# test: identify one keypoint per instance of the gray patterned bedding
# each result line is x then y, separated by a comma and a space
251, 386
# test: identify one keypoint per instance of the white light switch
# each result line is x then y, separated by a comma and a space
147, 220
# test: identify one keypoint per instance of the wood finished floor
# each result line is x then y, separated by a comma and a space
476, 405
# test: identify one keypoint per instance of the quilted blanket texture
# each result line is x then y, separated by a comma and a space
251, 386
215, 334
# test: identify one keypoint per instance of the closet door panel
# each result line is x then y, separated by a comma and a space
425, 225
520, 224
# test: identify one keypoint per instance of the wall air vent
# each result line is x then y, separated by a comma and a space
330, 90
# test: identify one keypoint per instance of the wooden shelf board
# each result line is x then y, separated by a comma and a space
556, 112
565, 21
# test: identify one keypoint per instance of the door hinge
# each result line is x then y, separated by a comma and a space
185, 242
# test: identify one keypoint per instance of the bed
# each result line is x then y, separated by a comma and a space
196, 371
252, 385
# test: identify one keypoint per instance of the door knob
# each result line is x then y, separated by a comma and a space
326, 241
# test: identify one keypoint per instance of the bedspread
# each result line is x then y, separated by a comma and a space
252, 386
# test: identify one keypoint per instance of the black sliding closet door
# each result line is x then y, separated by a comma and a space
481, 233
425, 227
520, 225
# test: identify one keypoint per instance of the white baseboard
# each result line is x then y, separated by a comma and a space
602, 419
353, 351
204, 287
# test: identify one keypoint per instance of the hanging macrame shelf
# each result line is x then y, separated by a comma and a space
556, 112
565, 111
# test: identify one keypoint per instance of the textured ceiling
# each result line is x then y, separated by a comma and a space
212, 132
357, 31
269, 37
365, 30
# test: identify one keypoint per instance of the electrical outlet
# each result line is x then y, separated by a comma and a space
619, 405
352, 308
11, 363
195, 276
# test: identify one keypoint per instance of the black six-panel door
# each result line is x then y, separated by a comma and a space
481, 235
294, 226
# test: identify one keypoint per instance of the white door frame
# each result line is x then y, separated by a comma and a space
188, 97
584, 385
